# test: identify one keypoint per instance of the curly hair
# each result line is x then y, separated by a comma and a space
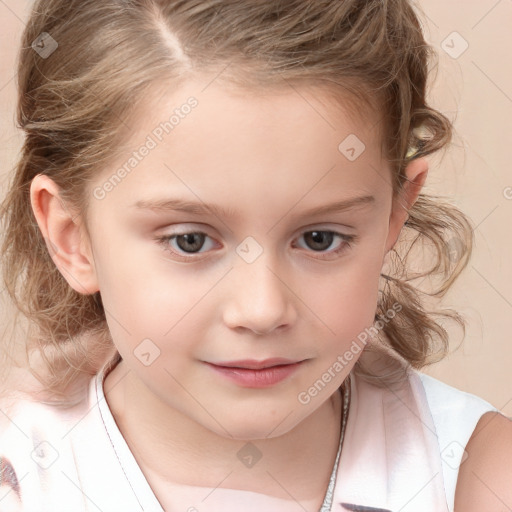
74, 107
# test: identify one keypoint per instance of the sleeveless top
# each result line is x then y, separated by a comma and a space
403, 445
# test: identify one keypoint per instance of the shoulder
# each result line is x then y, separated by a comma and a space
453, 410
23, 424
19, 419
485, 477
38, 443
482, 476
436, 388
457, 415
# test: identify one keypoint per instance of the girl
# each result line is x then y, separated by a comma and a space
208, 229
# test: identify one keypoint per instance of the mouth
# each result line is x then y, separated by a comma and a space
252, 364
256, 374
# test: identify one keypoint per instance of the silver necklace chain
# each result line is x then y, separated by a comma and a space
327, 503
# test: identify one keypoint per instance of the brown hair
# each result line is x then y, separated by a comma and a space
75, 106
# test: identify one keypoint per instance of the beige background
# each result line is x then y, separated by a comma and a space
474, 89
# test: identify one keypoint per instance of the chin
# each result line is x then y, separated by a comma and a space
252, 427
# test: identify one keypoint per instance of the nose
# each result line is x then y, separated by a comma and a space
259, 299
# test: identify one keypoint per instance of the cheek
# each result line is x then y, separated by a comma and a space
346, 301
157, 301
136, 281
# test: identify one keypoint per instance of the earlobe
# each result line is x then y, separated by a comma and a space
64, 235
416, 172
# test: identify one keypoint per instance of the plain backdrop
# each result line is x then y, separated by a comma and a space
473, 86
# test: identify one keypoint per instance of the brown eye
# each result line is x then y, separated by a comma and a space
319, 240
181, 244
190, 242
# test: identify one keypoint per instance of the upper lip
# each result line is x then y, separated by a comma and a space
253, 364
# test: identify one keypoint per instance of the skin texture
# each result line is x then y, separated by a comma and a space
270, 157
485, 478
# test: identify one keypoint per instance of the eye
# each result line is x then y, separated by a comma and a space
191, 242
320, 240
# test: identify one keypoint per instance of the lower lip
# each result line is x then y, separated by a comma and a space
262, 378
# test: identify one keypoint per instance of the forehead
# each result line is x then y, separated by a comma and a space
212, 136
336, 106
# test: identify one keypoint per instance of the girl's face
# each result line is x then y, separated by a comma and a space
276, 267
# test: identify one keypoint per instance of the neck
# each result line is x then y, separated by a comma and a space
171, 448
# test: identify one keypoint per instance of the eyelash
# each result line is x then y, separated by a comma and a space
347, 239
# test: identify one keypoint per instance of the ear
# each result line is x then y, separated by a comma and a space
416, 172
65, 238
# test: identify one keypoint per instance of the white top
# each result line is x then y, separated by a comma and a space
404, 443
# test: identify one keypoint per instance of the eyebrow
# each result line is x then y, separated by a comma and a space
200, 208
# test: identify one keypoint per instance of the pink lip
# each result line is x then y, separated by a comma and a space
256, 374
253, 364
